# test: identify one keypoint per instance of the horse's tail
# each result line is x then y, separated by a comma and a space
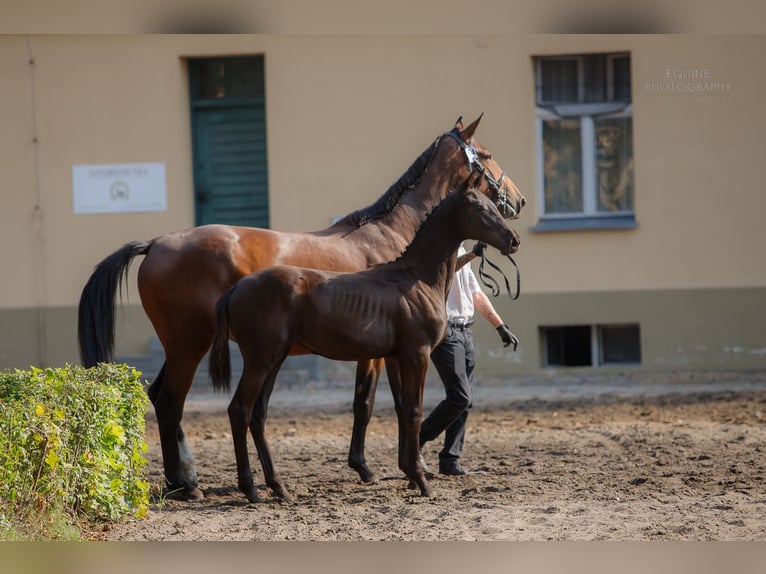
219, 361
95, 316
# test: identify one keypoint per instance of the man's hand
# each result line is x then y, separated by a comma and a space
479, 248
507, 337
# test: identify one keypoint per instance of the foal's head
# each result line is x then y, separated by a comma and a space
480, 219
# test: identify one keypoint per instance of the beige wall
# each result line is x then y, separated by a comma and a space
697, 202
346, 115
19, 221
679, 328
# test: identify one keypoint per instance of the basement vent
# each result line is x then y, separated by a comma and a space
590, 345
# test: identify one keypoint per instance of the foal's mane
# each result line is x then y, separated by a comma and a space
387, 202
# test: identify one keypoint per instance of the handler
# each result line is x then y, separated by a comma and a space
454, 360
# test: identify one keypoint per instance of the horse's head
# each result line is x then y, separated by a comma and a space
480, 219
474, 157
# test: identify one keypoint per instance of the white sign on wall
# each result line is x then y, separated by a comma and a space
119, 188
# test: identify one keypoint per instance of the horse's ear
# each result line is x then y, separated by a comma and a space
459, 123
468, 132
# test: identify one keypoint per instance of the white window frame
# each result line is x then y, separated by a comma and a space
586, 112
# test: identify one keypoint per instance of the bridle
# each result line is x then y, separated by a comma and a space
496, 185
503, 205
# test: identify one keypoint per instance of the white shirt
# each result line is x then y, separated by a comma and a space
460, 296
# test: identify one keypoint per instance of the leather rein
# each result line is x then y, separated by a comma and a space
492, 284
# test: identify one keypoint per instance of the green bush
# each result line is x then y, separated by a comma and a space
72, 443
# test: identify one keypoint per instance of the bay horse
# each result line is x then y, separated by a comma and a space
396, 310
184, 273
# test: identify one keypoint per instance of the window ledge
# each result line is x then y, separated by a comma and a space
585, 223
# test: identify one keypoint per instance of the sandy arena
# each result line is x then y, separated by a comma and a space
614, 457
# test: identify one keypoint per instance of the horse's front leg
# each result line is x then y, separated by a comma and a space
413, 377
257, 429
367, 374
395, 382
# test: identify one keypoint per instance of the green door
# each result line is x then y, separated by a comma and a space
229, 141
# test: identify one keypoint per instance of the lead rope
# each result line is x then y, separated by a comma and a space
492, 284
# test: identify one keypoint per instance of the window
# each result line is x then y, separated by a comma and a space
619, 344
590, 345
567, 346
585, 142
218, 78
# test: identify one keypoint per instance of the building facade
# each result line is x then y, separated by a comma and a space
639, 157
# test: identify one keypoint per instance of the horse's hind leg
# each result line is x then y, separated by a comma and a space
257, 429
248, 408
186, 459
168, 394
367, 374
240, 413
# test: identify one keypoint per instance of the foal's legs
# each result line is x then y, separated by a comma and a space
395, 382
257, 427
404, 378
413, 369
240, 413
367, 374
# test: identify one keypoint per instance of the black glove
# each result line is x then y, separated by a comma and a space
479, 248
507, 336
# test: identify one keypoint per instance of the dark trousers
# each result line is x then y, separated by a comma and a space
454, 360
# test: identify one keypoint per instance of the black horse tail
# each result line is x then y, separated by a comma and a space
219, 361
95, 315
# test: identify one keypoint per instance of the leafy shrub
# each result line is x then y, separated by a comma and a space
72, 441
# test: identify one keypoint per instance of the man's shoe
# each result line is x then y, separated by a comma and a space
451, 469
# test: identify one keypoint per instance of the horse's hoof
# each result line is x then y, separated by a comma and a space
281, 492
252, 495
183, 493
364, 472
367, 476
425, 489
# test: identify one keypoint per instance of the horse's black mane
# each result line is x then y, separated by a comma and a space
389, 200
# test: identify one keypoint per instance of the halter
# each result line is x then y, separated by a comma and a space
501, 191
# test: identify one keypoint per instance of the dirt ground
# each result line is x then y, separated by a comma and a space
679, 459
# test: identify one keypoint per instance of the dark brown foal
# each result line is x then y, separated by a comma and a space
395, 311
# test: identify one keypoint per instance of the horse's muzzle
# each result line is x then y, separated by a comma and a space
513, 244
